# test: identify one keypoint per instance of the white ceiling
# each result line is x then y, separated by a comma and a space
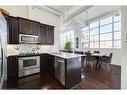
69, 12
93, 13
78, 13
61, 9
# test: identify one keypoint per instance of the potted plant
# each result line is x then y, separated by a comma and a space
68, 46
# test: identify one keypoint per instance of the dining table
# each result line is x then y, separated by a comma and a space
97, 56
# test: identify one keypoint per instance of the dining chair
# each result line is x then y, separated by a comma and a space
88, 51
96, 51
107, 60
90, 60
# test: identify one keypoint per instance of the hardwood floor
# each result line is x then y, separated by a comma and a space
96, 79
102, 79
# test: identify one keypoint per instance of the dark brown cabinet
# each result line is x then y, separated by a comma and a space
50, 35
12, 67
28, 27
72, 72
12, 30
46, 35
43, 62
18, 25
51, 64
35, 28
47, 63
43, 34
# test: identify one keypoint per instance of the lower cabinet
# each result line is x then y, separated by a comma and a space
51, 64
47, 62
72, 72
42, 62
12, 67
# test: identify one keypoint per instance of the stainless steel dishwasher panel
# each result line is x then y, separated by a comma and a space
60, 70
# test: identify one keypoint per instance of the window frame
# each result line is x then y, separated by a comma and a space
62, 42
99, 34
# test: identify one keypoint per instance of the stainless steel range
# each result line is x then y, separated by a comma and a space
29, 65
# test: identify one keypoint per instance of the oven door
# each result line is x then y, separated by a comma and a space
26, 63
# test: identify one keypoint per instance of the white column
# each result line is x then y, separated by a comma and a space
124, 48
29, 11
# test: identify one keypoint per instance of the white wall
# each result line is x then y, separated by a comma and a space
124, 48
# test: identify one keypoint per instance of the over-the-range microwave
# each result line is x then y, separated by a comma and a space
23, 38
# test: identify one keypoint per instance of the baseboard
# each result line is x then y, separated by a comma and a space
115, 65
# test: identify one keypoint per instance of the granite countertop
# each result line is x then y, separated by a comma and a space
65, 55
57, 54
25, 55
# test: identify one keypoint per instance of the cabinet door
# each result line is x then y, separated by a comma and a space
42, 62
43, 34
12, 67
73, 72
50, 35
25, 26
13, 30
35, 28
51, 64
29, 27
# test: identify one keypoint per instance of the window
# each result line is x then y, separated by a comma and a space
67, 36
117, 31
94, 35
85, 37
105, 21
104, 33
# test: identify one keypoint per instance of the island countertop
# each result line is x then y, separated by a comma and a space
65, 55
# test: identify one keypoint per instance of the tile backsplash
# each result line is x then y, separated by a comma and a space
16, 49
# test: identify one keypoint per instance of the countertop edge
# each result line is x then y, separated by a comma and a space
57, 55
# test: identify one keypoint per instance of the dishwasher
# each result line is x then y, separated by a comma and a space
60, 70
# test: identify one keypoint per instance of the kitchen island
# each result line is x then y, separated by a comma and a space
67, 68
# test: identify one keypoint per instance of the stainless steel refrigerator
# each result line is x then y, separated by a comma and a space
3, 44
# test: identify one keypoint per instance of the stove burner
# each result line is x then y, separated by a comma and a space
25, 54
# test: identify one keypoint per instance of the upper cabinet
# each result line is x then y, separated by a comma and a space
50, 35
12, 30
18, 25
28, 27
46, 35
43, 34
